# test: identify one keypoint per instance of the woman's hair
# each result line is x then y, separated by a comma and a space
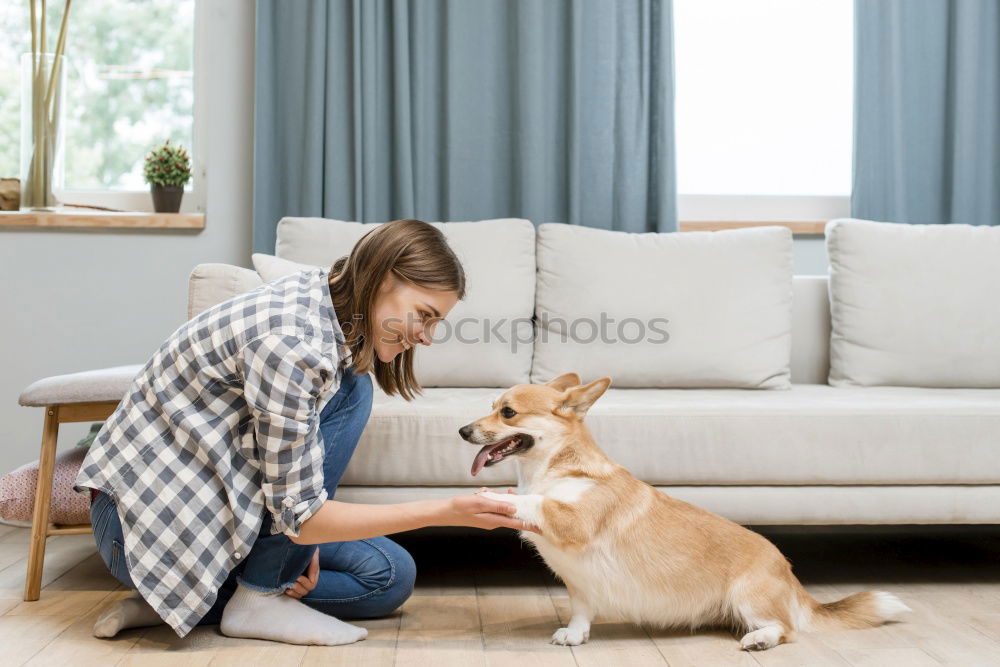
414, 252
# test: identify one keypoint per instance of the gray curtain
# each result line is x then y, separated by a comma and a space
552, 110
927, 111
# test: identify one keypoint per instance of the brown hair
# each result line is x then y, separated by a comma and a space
413, 251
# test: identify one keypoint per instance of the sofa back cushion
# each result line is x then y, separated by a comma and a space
486, 339
273, 268
212, 283
693, 309
914, 304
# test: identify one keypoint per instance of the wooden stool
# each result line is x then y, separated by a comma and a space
76, 397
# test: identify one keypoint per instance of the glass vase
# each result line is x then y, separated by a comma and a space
42, 120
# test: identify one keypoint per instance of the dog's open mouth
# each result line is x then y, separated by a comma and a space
498, 451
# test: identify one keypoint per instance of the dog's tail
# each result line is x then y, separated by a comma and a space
860, 610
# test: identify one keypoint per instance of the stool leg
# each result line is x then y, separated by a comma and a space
43, 497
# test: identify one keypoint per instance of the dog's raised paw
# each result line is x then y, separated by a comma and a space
567, 637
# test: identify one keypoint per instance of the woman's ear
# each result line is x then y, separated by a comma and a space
578, 400
388, 283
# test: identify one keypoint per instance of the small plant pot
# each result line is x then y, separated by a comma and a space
166, 198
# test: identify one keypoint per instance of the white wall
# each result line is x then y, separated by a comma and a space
78, 300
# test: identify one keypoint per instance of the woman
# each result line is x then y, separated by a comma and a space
213, 481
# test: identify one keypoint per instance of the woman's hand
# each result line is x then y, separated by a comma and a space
306, 582
479, 512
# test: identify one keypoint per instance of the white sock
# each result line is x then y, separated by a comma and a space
132, 612
282, 618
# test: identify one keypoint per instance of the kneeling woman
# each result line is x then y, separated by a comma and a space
213, 481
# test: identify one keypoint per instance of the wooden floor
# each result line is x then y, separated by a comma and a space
484, 599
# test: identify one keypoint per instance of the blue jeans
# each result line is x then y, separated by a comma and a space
365, 578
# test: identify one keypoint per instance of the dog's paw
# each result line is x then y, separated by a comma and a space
568, 637
527, 505
761, 639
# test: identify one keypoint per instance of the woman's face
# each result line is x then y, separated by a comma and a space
405, 315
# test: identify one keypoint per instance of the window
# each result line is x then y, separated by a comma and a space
129, 86
764, 107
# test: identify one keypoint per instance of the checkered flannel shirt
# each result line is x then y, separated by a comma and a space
220, 426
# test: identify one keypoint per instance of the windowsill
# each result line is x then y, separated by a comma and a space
798, 227
85, 218
82, 218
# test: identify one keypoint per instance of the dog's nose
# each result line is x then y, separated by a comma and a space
465, 431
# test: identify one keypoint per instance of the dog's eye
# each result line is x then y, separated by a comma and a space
507, 413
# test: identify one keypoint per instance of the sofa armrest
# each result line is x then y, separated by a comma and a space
210, 284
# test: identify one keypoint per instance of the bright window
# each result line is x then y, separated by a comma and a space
764, 96
129, 85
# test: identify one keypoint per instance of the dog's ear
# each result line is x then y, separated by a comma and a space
564, 381
578, 400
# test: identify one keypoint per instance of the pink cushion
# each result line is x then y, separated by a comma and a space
17, 491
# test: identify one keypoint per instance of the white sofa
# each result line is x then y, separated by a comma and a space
798, 452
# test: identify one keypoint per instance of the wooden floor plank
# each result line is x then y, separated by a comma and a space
60, 603
6, 529
62, 553
888, 657
377, 650
6, 604
440, 630
160, 645
76, 645
269, 654
940, 629
517, 628
23, 636
686, 648
612, 642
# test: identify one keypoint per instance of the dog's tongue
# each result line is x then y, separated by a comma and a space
481, 458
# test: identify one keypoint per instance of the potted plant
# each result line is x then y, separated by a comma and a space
167, 169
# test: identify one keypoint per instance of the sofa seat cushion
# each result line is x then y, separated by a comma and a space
810, 434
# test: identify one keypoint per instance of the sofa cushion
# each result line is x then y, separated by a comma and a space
273, 268
212, 283
914, 305
486, 339
693, 309
811, 434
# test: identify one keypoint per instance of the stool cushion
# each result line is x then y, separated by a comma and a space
103, 384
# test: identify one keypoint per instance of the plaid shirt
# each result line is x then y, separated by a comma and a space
220, 426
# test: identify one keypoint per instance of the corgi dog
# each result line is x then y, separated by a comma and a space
622, 546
